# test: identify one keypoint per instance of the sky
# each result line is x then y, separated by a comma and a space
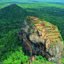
32, 0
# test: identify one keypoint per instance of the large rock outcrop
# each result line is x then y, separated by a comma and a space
41, 38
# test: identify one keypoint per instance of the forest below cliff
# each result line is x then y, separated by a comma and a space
11, 21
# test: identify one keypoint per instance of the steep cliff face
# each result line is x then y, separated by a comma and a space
42, 38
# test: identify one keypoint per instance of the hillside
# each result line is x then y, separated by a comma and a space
11, 20
11, 17
41, 4
53, 13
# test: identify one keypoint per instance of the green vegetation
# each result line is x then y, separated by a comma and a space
53, 13
11, 20
2, 5
11, 17
11, 50
38, 5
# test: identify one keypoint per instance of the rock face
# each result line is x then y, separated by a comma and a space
41, 38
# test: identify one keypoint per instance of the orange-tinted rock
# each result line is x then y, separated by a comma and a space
45, 35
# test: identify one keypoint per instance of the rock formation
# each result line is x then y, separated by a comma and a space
41, 38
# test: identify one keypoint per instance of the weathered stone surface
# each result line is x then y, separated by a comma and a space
41, 37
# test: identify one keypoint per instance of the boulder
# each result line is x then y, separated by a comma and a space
40, 37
